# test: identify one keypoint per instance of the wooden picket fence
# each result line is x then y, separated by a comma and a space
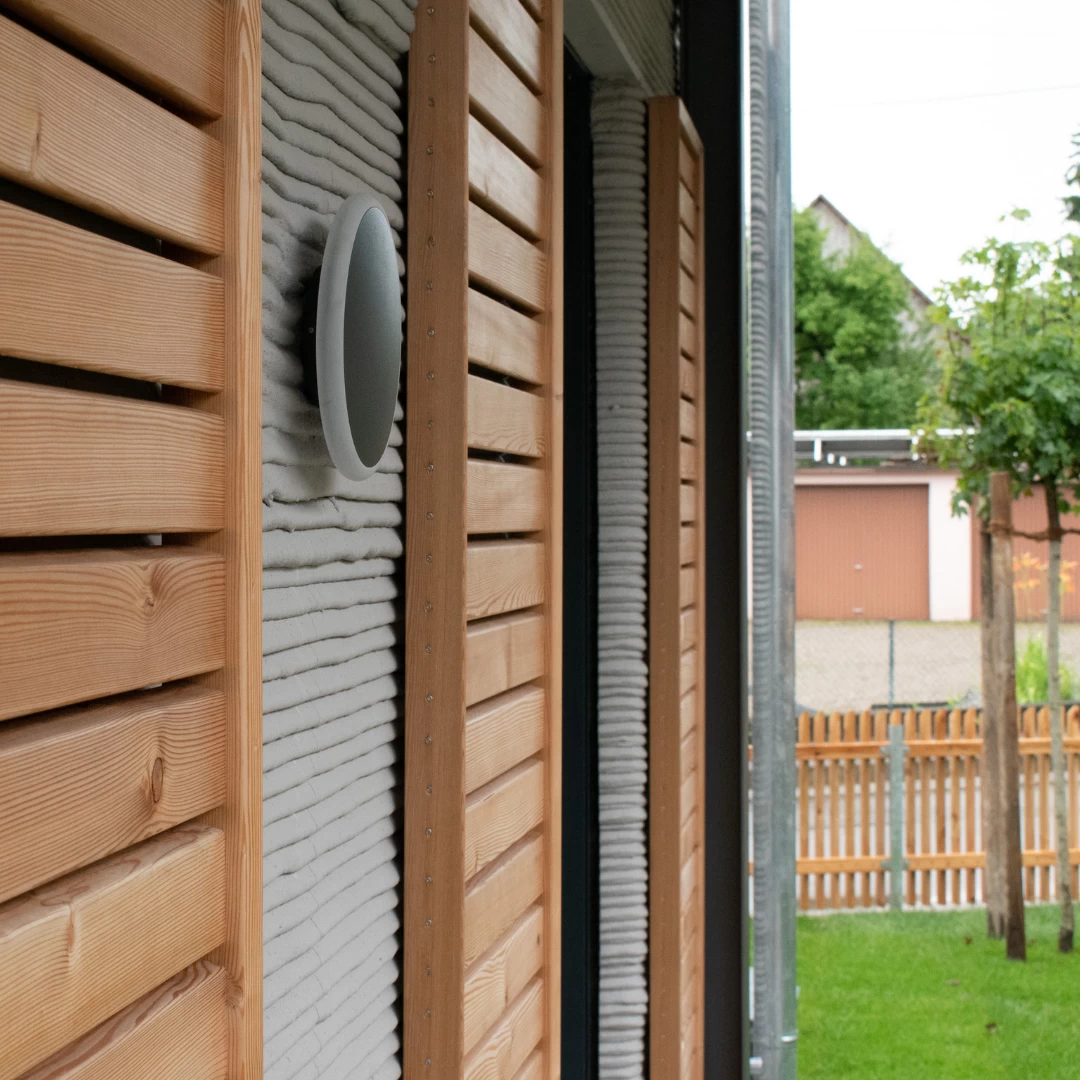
842, 815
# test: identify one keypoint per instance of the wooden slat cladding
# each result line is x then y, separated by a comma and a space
495, 981
80, 463
514, 34
505, 340
131, 825
173, 47
76, 625
505, 498
504, 262
72, 297
504, 102
501, 182
93, 942
483, 558
73, 132
497, 898
119, 772
501, 813
503, 575
502, 731
502, 653
504, 419
676, 573
176, 1032
510, 1043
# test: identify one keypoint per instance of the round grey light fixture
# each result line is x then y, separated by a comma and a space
353, 317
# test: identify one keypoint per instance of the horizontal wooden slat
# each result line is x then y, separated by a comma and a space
504, 419
688, 699
688, 671
498, 897
502, 974
71, 297
687, 586
688, 796
687, 420
687, 378
502, 498
502, 653
501, 732
687, 294
176, 1032
504, 102
75, 625
503, 575
687, 501
504, 340
76, 951
499, 814
73, 132
687, 210
513, 32
83, 463
687, 544
504, 262
688, 754
688, 343
502, 183
687, 629
510, 1043
687, 167
173, 47
687, 461
687, 252
117, 773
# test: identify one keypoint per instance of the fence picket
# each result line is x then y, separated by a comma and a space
804, 812
971, 765
941, 733
820, 734
1028, 766
850, 735
1046, 838
1072, 727
926, 731
911, 775
956, 765
836, 734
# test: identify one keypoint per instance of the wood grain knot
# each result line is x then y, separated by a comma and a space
157, 779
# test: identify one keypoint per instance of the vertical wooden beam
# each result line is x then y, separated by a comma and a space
437, 351
241, 540
665, 989
552, 247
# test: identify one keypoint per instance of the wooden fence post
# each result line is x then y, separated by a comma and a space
1004, 662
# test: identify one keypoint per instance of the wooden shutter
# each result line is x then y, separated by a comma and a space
483, 542
130, 675
676, 592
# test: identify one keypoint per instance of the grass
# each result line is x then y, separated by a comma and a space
925, 996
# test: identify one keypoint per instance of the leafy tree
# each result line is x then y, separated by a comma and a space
1072, 177
861, 357
1011, 384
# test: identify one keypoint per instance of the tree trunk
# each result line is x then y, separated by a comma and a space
1057, 741
1005, 679
989, 778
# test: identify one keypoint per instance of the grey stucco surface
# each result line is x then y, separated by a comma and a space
332, 626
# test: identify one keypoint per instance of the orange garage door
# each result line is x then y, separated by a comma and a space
862, 552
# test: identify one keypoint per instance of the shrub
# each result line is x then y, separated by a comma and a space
1032, 681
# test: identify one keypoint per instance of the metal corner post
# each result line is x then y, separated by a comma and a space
772, 469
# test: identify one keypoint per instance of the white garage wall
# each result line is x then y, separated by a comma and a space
332, 126
619, 127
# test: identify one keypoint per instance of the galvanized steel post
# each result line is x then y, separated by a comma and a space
772, 469
896, 864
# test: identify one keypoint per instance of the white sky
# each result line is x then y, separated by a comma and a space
928, 178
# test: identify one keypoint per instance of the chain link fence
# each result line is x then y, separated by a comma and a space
841, 666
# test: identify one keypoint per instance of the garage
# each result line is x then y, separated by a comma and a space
862, 552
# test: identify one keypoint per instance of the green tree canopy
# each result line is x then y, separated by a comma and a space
1011, 377
861, 358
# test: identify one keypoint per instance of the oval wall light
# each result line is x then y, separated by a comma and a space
352, 337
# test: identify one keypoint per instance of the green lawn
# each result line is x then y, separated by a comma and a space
924, 996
